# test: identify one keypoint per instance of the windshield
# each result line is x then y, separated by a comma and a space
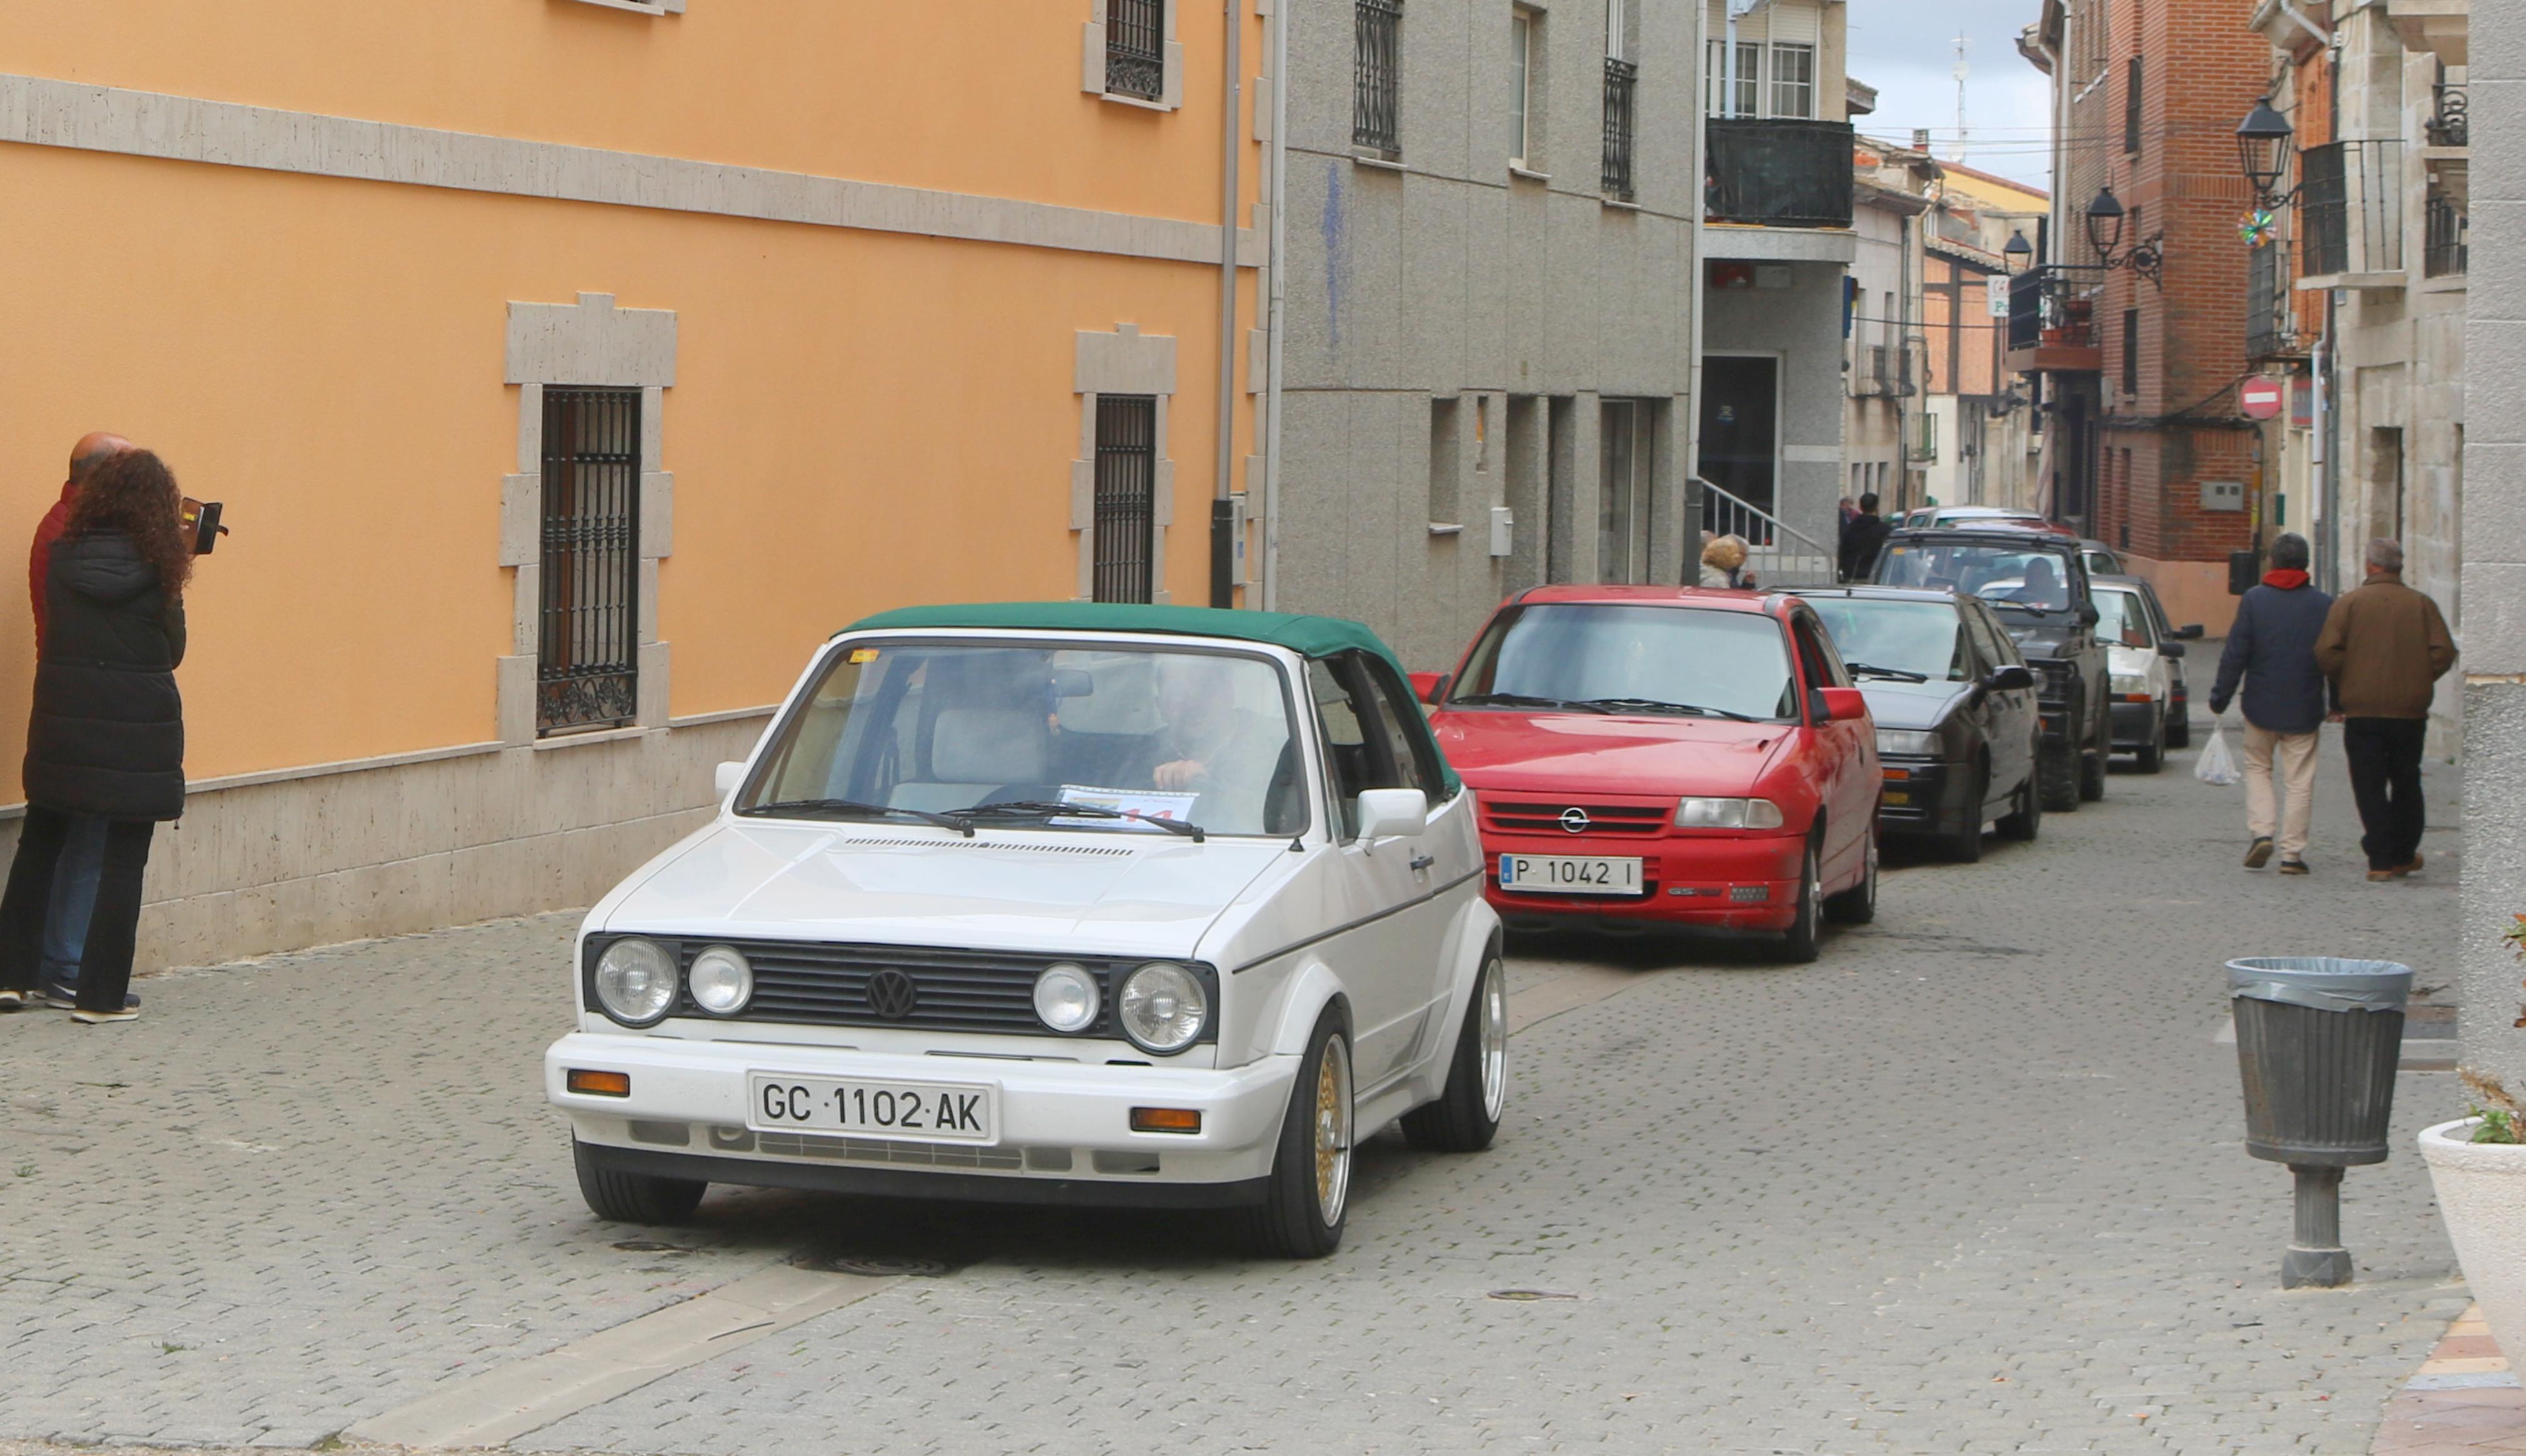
1727, 663
2006, 575
2121, 618
931, 727
1923, 637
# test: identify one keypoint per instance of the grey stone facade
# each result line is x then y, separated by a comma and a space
1455, 328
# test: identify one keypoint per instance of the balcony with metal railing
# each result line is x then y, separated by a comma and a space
1622, 78
2449, 125
2350, 215
2053, 323
1778, 173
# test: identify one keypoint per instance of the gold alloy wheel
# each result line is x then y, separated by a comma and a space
1333, 1131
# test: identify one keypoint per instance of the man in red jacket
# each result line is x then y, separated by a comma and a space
83, 858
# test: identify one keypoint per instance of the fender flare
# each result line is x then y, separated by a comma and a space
1486, 937
1302, 1002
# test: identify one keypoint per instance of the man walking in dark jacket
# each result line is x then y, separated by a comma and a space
1861, 536
2272, 649
2385, 646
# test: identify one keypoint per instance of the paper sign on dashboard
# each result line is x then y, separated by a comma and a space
1152, 803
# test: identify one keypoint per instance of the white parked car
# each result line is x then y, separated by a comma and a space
2143, 672
1059, 903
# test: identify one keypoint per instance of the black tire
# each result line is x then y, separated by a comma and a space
1802, 941
634, 1197
2152, 754
2057, 775
1964, 842
1292, 1222
2024, 823
1467, 1115
1858, 905
2092, 774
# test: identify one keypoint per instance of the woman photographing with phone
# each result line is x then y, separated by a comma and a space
106, 737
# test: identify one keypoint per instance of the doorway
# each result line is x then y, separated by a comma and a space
1623, 504
1741, 417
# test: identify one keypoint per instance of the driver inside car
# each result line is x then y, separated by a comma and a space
1210, 745
2042, 587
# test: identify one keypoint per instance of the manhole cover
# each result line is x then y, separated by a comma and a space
653, 1247
1521, 1296
874, 1266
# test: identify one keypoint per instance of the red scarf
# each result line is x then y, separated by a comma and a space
2286, 581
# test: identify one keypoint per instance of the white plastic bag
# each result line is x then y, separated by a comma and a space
2217, 765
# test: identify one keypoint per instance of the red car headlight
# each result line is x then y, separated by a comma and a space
1728, 814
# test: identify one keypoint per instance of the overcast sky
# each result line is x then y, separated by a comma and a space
1907, 50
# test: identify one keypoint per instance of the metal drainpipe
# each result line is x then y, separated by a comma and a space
1278, 303
1699, 272
1222, 510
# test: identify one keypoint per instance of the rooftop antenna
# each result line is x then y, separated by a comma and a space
1962, 70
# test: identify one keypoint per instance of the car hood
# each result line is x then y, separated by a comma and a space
1608, 753
1911, 705
1087, 892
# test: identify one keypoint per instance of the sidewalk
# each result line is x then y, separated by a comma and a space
2463, 1401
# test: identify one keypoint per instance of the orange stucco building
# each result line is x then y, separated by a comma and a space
570, 368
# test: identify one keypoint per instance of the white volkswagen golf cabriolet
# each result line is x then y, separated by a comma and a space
1059, 903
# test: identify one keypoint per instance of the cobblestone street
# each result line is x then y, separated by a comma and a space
1973, 1182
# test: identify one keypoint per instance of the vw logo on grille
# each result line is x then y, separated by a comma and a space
1575, 820
893, 994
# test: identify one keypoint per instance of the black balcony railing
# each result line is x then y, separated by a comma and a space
1135, 63
2351, 206
1784, 173
2443, 237
2448, 124
1622, 78
2271, 331
1377, 69
2046, 306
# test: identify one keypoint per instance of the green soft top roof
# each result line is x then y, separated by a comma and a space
1308, 636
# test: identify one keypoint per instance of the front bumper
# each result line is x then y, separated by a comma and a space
2133, 726
1920, 796
1747, 881
1064, 1132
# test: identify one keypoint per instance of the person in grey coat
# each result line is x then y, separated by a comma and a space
2272, 650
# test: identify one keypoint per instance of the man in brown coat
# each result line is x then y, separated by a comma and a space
2384, 646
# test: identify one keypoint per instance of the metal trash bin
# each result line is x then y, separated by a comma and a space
2317, 1041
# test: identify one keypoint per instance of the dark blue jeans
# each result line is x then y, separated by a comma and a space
105, 960
75, 875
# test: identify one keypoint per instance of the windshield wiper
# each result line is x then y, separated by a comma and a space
1657, 705
1871, 670
1045, 809
855, 807
1523, 700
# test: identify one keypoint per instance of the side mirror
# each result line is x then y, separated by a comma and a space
1843, 705
2014, 677
1387, 813
1430, 687
2192, 633
2088, 616
725, 778
2170, 649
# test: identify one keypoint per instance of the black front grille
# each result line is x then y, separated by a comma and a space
2058, 677
1602, 819
817, 983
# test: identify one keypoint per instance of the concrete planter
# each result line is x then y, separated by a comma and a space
2481, 1195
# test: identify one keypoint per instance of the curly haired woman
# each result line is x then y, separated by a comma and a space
107, 734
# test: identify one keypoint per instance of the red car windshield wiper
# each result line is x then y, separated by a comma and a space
1523, 700
1657, 705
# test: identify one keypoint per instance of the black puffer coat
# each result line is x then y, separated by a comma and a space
107, 736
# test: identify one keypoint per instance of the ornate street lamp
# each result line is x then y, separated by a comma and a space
2105, 212
2018, 252
2262, 149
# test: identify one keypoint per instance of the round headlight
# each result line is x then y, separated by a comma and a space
1065, 997
720, 981
1162, 1007
636, 980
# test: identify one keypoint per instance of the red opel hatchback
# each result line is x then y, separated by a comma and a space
1661, 756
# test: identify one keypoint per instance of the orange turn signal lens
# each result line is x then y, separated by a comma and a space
599, 1083
1893, 773
1166, 1120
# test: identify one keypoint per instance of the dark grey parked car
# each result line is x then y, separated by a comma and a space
1955, 704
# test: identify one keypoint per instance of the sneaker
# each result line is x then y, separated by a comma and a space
99, 1017
13, 999
58, 997
2292, 866
2258, 853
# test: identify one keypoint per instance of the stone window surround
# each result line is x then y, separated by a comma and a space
1091, 63
590, 343
1124, 362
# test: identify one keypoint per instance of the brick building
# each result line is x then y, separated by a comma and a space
2143, 445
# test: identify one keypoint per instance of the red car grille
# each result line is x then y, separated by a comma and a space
1560, 819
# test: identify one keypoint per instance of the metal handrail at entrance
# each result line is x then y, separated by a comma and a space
1776, 553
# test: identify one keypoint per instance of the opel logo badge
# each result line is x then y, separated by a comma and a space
1575, 820
892, 995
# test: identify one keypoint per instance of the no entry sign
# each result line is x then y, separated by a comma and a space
2259, 398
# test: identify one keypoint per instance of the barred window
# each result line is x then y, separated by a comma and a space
1136, 48
1126, 477
586, 656
1377, 66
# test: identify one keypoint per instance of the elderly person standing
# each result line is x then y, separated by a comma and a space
2272, 650
2385, 646
1723, 564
